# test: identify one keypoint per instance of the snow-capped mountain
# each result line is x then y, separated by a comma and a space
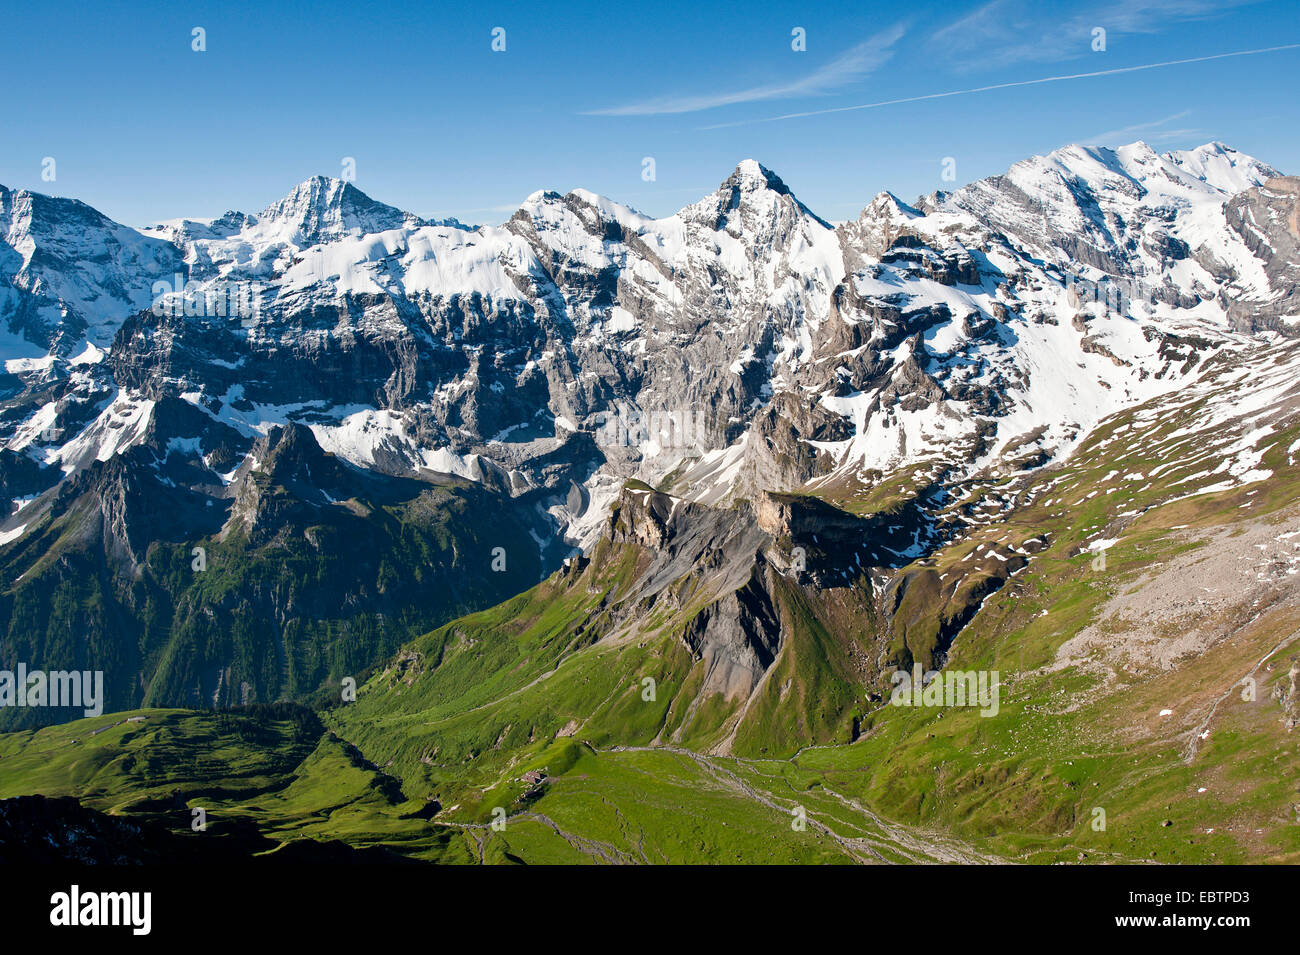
1016, 311
739, 347
70, 275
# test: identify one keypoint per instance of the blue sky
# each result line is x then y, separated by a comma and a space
144, 128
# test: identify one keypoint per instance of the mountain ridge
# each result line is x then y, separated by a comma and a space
739, 347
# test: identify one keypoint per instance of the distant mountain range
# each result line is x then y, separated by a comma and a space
356, 414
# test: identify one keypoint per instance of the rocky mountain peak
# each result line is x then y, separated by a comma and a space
1226, 169
288, 450
878, 225
322, 208
286, 473
752, 200
750, 175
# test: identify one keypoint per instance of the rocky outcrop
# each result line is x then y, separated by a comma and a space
737, 638
1267, 218
925, 610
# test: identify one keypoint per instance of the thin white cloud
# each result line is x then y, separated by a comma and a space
1010, 85
850, 66
1015, 31
1151, 132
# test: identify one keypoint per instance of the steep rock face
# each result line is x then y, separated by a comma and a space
69, 274
1267, 218
788, 599
783, 451
737, 638
708, 565
642, 516
883, 222
788, 515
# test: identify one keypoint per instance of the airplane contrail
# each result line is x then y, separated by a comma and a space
1003, 86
